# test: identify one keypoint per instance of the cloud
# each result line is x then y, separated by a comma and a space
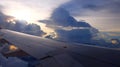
100, 13
95, 12
3, 19
40, 9
7, 22
77, 35
68, 28
61, 17
82, 7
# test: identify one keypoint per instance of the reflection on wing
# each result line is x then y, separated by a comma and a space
58, 54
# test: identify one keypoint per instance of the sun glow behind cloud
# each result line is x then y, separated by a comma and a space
22, 15
31, 10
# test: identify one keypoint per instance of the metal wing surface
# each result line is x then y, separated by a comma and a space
59, 54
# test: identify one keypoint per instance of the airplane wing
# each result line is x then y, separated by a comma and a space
59, 54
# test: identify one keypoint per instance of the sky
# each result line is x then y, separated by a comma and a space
79, 21
101, 14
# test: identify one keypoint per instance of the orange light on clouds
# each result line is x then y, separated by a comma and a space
13, 48
10, 20
114, 41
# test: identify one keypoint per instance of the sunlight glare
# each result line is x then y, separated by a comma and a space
22, 15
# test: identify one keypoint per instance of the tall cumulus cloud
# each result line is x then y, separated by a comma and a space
80, 31
64, 17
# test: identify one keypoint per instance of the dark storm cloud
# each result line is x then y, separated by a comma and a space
20, 26
61, 17
77, 35
3, 19
32, 29
78, 7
